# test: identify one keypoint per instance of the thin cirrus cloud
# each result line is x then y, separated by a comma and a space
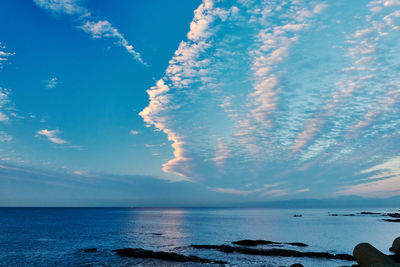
52, 136
265, 92
87, 22
52, 82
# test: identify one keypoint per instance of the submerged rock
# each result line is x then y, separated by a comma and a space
169, 256
297, 265
370, 213
275, 252
90, 250
253, 243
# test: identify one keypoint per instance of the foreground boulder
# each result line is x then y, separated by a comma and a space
368, 256
169, 256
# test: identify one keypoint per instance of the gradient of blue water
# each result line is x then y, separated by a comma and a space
56, 236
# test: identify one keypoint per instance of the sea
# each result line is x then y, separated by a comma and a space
59, 236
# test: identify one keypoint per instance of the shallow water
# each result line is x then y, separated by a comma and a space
56, 236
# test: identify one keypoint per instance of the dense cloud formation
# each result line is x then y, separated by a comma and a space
282, 98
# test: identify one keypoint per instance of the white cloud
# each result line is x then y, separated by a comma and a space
5, 103
386, 181
52, 82
4, 137
230, 191
134, 132
4, 55
52, 136
84, 173
88, 23
303, 190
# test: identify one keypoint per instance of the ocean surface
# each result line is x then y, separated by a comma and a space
58, 236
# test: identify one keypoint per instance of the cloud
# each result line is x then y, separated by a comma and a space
134, 132
279, 93
52, 82
89, 23
4, 137
5, 105
52, 136
304, 190
4, 55
84, 173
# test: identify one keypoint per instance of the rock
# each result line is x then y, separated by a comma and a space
297, 265
159, 234
396, 246
391, 220
394, 215
369, 213
253, 243
275, 252
368, 256
297, 215
169, 256
90, 250
333, 214
348, 215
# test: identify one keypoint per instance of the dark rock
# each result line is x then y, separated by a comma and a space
275, 252
333, 214
394, 215
298, 244
297, 265
396, 246
253, 243
367, 255
369, 213
90, 250
156, 233
297, 215
348, 215
169, 256
391, 220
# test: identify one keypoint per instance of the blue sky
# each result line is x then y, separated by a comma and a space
187, 100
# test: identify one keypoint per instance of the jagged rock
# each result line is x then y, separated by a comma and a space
368, 256
275, 252
169, 256
252, 243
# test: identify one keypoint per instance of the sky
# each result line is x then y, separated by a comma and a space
190, 101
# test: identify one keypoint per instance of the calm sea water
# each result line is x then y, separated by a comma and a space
56, 236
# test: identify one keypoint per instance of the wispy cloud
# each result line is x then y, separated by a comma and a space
97, 28
5, 105
52, 82
4, 137
4, 55
134, 132
385, 181
52, 136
